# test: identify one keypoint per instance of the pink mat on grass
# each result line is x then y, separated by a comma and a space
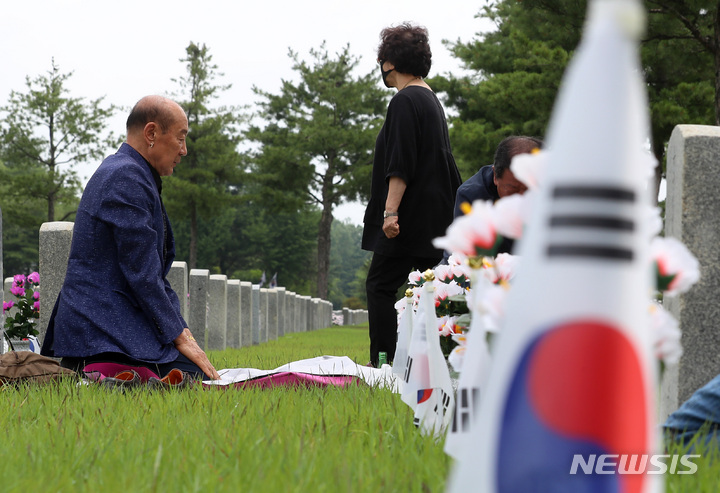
100, 371
294, 379
321, 371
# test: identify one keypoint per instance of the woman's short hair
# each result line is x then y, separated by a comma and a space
407, 48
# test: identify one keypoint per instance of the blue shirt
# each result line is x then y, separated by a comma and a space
480, 186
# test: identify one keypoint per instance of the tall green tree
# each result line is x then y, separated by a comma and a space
692, 25
202, 184
346, 258
681, 59
245, 240
316, 141
516, 71
21, 220
45, 134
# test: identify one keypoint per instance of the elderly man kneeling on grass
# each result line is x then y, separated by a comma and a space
116, 304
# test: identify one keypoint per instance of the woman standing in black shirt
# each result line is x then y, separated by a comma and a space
414, 181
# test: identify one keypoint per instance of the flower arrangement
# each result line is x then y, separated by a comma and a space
452, 292
477, 279
21, 323
449, 292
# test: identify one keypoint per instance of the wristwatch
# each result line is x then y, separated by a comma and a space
387, 214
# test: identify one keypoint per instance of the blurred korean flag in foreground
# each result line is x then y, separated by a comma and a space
573, 372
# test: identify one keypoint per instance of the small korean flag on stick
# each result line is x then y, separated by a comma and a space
427, 386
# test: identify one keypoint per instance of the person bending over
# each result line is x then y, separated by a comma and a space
496, 180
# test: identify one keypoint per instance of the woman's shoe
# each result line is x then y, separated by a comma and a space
176, 379
125, 379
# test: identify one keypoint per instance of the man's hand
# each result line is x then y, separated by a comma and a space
391, 228
188, 347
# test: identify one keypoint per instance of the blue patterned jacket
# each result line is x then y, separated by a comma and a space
116, 297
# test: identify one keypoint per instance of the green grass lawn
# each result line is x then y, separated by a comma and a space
76, 439
707, 478
65, 438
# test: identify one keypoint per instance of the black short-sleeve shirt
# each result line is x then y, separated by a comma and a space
414, 145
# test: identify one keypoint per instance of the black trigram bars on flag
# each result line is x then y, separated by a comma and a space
573, 209
408, 368
465, 409
444, 399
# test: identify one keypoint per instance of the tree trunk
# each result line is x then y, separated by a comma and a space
716, 45
51, 196
192, 261
326, 220
52, 169
51, 208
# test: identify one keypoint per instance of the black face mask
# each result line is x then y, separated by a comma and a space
385, 73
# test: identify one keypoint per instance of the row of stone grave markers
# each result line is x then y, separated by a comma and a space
226, 312
354, 317
221, 313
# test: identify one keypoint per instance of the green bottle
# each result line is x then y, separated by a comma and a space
382, 359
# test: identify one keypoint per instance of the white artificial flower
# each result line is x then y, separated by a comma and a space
530, 168
470, 233
479, 285
416, 294
461, 271
457, 355
460, 338
654, 220
492, 306
509, 215
673, 259
666, 335
648, 161
414, 277
457, 259
443, 290
489, 270
487, 301
506, 266
446, 325
443, 273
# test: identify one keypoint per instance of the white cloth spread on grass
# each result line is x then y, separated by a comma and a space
321, 365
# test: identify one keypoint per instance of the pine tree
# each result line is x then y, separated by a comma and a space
203, 181
316, 141
516, 72
45, 134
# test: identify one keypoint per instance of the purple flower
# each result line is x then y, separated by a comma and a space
19, 280
34, 278
36, 295
7, 305
18, 290
36, 306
